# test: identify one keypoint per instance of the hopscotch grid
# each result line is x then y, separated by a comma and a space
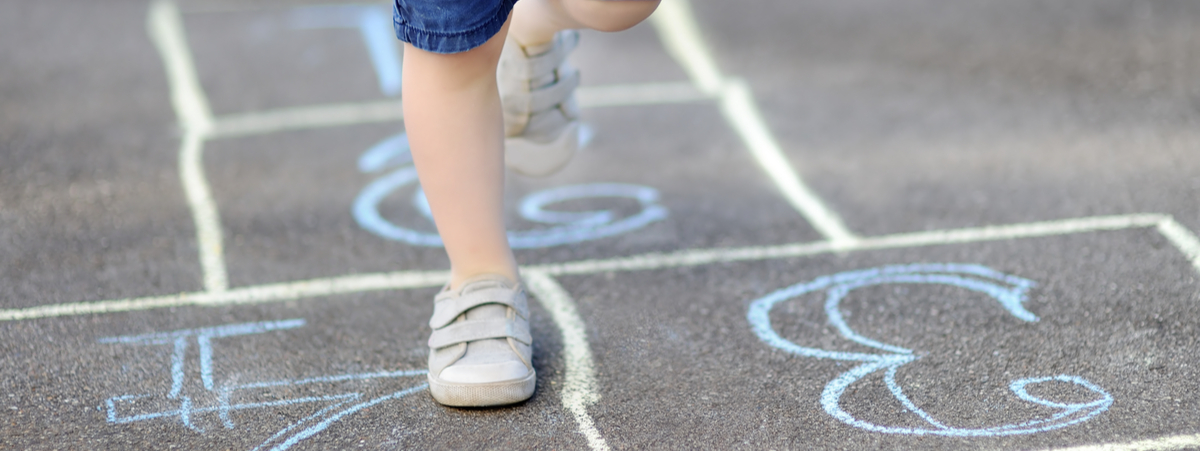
579, 385
676, 26
359, 283
678, 30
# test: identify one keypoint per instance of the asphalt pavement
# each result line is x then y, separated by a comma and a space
852, 224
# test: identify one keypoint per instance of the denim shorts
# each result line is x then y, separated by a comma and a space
449, 26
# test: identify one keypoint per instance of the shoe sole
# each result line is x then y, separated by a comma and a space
482, 395
542, 159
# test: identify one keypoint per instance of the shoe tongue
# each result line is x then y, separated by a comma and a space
537, 49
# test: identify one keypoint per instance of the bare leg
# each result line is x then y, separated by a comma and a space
452, 115
456, 130
454, 123
535, 21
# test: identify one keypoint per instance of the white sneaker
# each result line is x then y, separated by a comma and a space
541, 117
480, 352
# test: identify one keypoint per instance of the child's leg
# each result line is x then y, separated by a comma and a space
536, 21
452, 115
480, 349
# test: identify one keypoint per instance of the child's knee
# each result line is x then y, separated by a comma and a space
609, 15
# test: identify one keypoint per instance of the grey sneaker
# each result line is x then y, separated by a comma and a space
537, 91
480, 352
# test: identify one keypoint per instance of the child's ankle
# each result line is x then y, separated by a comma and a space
458, 280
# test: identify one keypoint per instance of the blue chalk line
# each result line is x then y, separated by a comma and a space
374, 24
1009, 290
568, 227
336, 406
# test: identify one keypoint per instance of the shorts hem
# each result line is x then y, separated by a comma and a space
457, 41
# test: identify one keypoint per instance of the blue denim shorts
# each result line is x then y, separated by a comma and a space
449, 26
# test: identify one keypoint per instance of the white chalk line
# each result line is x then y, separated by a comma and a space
209, 239
307, 117
579, 384
1182, 238
241, 296
739, 107
677, 29
1158, 444
382, 111
415, 279
635, 94
165, 27
918, 239
676, 26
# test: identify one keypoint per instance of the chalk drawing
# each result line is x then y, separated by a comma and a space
324, 288
679, 32
1010, 291
579, 389
175, 404
374, 23
568, 227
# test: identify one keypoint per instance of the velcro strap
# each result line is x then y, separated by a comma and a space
548, 125
551, 96
541, 64
472, 330
447, 309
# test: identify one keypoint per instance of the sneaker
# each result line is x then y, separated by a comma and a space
480, 352
537, 91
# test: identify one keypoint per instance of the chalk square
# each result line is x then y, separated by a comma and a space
256, 59
1110, 308
360, 334
277, 229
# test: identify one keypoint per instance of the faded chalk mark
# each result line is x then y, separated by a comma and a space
1182, 238
374, 23
1009, 291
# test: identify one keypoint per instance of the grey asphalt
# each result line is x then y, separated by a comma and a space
902, 116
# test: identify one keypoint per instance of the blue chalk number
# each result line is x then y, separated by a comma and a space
1009, 291
565, 227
